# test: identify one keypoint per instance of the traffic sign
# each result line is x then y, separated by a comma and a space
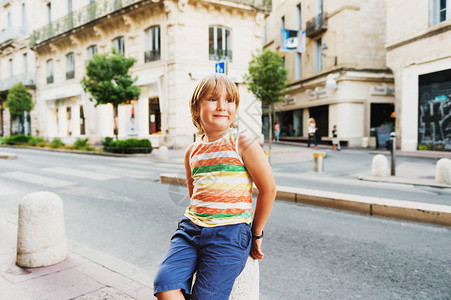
221, 67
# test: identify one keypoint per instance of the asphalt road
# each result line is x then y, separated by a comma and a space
117, 206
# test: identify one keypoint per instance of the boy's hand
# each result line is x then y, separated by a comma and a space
256, 252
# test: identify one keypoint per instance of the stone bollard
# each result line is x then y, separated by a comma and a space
163, 153
246, 286
379, 166
443, 171
41, 237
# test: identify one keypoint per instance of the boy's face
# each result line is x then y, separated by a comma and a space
217, 110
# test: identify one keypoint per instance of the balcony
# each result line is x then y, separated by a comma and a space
8, 35
316, 26
87, 14
27, 79
100, 9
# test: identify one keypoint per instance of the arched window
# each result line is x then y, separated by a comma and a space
152, 44
70, 66
49, 71
118, 44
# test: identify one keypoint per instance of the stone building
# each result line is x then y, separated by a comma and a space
175, 43
17, 62
337, 71
418, 47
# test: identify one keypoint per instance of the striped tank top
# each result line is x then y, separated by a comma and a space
222, 193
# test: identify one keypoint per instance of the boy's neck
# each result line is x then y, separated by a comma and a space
214, 135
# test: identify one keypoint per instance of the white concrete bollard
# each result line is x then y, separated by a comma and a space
379, 166
247, 285
163, 153
41, 234
443, 171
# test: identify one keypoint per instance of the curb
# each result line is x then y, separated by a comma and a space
7, 155
79, 151
373, 206
404, 181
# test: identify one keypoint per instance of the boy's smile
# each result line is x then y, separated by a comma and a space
216, 111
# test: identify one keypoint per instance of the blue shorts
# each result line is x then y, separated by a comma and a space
218, 254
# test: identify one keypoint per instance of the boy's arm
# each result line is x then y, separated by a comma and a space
258, 167
189, 179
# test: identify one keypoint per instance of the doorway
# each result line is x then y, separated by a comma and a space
154, 116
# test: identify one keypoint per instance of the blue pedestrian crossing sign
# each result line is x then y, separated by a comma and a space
221, 67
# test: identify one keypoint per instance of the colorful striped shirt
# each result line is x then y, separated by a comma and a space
222, 193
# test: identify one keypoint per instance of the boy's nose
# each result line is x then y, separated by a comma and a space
220, 105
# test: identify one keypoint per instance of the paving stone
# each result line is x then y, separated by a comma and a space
105, 293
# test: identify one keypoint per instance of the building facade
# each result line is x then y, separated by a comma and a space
419, 54
17, 61
337, 72
175, 43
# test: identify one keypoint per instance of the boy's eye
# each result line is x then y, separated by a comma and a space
230, 101
212, 99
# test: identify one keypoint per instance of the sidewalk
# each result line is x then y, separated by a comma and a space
86, 274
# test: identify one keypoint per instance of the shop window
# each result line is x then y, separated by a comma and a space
154, 116
82, 121
152, 44
220, 43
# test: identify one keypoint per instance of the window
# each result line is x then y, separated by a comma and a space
70, 66
282, 22
9, 19
50, 71
82, 121
440, 11
298, 17
11, 67
318, 55
49, 13
92, 50
118, 44
24, 16
25, 63
152, 44
220, 43
69, 6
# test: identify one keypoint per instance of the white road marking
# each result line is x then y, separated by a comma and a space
37, 179
81, 173
120, 171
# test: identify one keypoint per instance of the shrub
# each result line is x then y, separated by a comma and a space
19, 139
129, 146
37, 141
56, 143
82, 144
107, 141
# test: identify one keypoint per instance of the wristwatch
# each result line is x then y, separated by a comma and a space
256, 237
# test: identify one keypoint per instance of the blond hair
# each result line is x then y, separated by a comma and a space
211, 81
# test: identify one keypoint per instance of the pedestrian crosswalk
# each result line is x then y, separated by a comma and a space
73, 178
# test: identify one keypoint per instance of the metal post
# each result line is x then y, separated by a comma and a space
393, 153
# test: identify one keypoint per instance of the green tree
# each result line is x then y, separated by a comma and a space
267, 80
108, 80
19, 103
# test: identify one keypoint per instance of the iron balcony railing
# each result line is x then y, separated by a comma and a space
89, 13
29, 80
316, 26
99, 9
12, 33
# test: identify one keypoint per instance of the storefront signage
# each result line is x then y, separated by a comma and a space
382, 90
288, 101
317, 93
